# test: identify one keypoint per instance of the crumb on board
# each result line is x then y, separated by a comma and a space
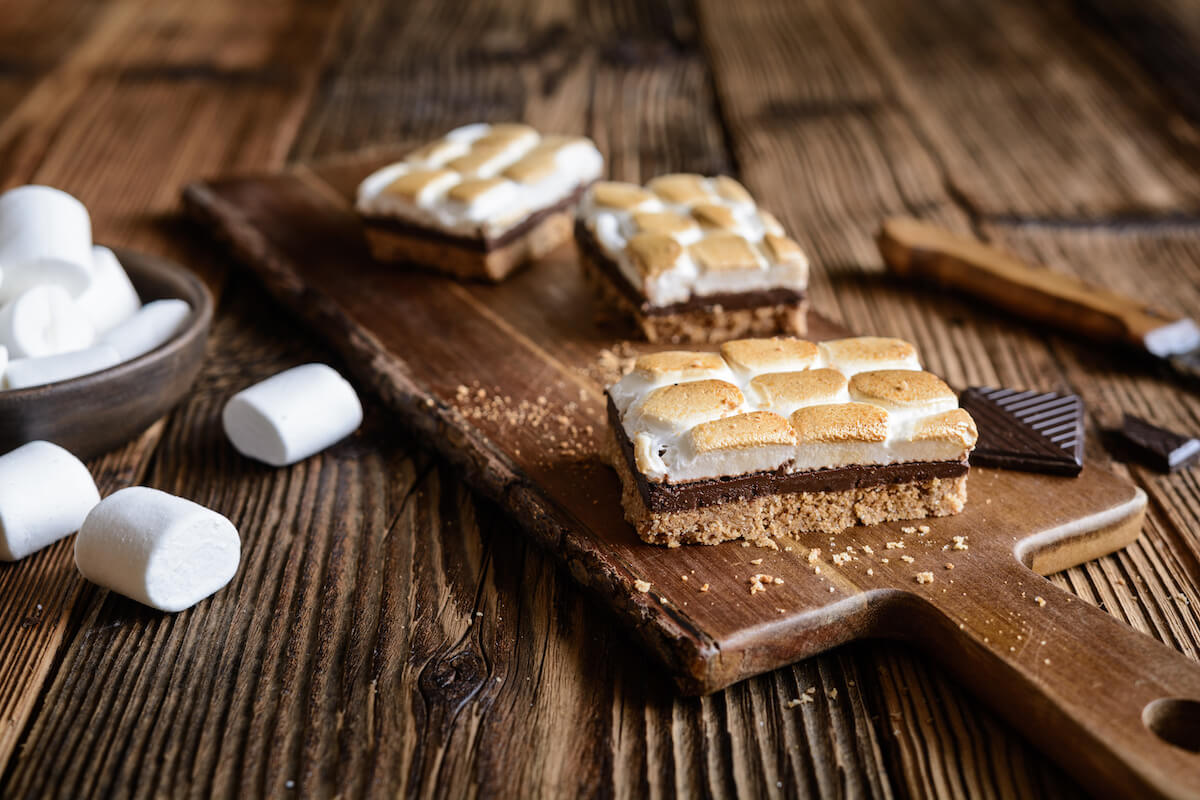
1041, 601
960, 542
704, 588
552, 423
759, 582
870, 571
642, 586
814, 555
841, 558
756, 561
908, 529
868, 550
907, 559
923, 529
683, 577
896, 545
924, 577
949, 565
832, 693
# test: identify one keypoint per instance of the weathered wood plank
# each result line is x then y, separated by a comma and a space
91, 122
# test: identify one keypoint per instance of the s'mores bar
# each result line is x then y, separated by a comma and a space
480, 201
782, 435
691, 259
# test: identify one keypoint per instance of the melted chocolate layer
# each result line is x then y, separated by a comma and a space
481, 244
660, 497
732, 301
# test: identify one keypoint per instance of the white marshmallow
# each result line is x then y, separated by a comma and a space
45, 493
45, 238
161, 550
44, 321
110, 299
25, 372
292, 415
152, 326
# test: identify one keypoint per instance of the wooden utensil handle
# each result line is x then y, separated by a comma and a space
916, 249
1102, 698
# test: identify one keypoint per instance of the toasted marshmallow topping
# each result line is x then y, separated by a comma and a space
481, 180
777, 354
786, 404
784, 392
728, 244
863, 353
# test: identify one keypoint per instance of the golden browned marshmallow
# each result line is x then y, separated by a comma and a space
668, 223
481, 159
731, 190
807, 387
770, 223
468, 190
682, 188
624, 196
676, 365
741, 431
507, 134
714, 215
725, 251
868, 350
654, 253
840, 422
764, 355
437, 150
783, 249
534, 167
955, 426
686, 404
900, 388
412, 185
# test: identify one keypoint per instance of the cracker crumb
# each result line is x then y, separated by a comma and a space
960, 542
704, 588
787, 549
907, 559
896, 545
949, 565
779, 581
924, 577
759, 582
868, 550
841, 558
793, 703
683, 577
1041, 601
885, 560
870, 571
814, 555
816, 569
1046, 661
642, 586
831, 590
908, 529
922, 529
832, 693
744, 543
756, 561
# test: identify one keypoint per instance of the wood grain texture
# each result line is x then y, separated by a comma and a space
640, 77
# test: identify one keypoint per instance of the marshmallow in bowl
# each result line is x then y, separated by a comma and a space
158, 549
45, 238
44, 321
45, 494
290, 416
22, 373
154, 325
110, 298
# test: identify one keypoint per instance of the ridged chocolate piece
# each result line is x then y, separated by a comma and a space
1026, 431
1158, 447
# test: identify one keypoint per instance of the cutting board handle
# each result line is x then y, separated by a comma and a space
1104, 699
912, 248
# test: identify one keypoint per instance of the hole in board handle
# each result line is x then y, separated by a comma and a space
1175, 720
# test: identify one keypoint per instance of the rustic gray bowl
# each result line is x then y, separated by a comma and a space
92, 414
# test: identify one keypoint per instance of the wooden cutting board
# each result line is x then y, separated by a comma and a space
507, 381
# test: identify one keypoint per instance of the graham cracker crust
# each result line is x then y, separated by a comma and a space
708, 325
759, 519
444, 255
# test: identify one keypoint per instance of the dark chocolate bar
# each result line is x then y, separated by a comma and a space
1026, 431
1158, 447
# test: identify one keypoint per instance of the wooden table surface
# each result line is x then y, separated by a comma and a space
387, 633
